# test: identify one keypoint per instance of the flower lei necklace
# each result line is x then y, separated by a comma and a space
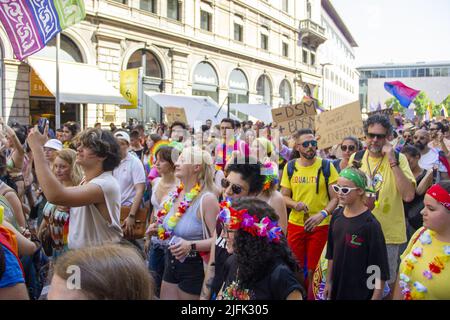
164, 234
233, 292
417, 290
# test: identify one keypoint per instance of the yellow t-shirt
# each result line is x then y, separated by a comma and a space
412, 268
303, 187
390, 212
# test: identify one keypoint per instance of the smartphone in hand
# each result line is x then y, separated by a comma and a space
42, 123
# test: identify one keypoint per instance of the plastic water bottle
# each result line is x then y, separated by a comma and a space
173, 241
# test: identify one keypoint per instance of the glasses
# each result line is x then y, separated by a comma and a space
237, 189
350, 148
376, 135
419, 138
312, 143
343, 190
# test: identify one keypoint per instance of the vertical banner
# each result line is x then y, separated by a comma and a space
130, 87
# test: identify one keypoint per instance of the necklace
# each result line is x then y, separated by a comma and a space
373, 178
164, 233
417, 290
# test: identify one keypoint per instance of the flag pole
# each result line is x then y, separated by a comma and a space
57, 102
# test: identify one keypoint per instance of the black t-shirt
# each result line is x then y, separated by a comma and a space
221, 256
355, 245
413, 208
275, 285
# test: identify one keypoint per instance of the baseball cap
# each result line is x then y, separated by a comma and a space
54, 144
122, 135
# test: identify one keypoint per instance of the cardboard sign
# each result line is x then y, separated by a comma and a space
175, 114
387, 112
292, 118
333, 126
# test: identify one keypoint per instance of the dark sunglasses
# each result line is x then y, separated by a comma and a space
350, 148
312, 143
237, 189
376, 135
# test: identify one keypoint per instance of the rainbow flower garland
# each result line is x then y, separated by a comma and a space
235, 220
164, 234
233, 292
271, 176
417, 290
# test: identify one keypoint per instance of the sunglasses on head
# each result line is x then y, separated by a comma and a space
237, 189
343, 190
350, 148
312, 143
376, 135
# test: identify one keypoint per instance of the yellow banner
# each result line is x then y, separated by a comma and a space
37, 87
129, 87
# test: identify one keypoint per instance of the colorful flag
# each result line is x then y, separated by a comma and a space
405, 95
31, 24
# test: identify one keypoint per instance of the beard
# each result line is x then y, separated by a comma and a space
375, 148
419, 146
309, 155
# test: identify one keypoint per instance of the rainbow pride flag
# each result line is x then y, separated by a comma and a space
405, 95
31, 24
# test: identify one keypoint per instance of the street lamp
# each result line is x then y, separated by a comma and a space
323, 65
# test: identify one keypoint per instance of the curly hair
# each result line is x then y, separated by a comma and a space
103, 144
250, 170
378, 119
256, 256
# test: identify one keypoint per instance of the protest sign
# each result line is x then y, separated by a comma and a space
175, 114
334, 125
388, 112
292, 118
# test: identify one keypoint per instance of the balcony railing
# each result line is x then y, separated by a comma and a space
312, 33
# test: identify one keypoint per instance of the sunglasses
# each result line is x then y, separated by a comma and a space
312, 143
343, 190
237, 189
350, 148
376, 135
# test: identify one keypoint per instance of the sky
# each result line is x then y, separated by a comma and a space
398, 31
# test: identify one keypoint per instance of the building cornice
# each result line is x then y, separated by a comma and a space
331, 11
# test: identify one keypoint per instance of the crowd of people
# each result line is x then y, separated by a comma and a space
233, 211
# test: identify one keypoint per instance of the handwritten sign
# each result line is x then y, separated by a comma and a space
292, 118
333, 126
175, 114
387, 112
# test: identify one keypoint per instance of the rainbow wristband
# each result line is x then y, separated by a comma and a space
324, 213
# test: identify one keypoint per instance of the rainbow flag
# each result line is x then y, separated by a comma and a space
31, 24
405, 95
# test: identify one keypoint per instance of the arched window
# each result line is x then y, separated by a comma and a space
264, 89
286, 92
205, 81
69, 51
238, 87
151, 65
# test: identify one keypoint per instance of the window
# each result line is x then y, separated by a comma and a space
285, 92
285, 5
444, 72
69, 51
152, 65
121, 1
421, 73
413, 73
173, 10
308, 9
305, 57
313, 59
205, 20
427, 72
390, 73
436, 72
205, 82
148, 5
264, 89
264, 41
398, 73
382, 73
238, 87
238, 32
406, 73
285, 49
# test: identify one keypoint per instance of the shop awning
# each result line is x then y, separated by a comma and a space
198, 109
78, 82
261, 112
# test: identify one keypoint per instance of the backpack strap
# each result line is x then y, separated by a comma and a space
326, 171
291, 168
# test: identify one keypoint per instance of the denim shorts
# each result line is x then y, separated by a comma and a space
188, 275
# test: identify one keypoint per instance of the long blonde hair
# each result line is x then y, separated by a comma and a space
197, 156
70, 156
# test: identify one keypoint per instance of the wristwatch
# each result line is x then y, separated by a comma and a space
193, 246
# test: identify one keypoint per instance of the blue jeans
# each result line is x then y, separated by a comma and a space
156, 262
